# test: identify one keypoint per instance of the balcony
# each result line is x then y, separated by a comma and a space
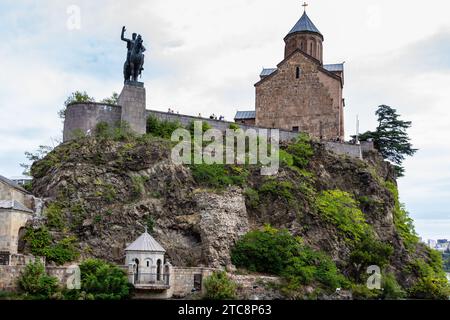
151, 281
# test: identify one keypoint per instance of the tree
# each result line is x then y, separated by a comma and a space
35, 281
76, 96
390, 137
104, 281
111, 100
39, 154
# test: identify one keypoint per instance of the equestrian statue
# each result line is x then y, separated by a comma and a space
133, 66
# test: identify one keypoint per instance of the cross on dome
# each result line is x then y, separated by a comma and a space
304, 5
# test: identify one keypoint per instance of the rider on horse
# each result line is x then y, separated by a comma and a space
136, 39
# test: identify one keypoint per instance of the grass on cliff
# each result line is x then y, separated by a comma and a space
340, 209
403, 223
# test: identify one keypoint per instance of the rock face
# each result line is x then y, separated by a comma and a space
223, 219
109, 190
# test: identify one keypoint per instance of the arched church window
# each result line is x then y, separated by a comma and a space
297, 73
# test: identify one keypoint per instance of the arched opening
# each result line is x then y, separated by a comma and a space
158, 270
21, 241
136, 273
297, 73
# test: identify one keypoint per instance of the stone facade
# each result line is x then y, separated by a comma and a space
311, 103
83, 117
11, 223
301, 94
132, 100
17, 206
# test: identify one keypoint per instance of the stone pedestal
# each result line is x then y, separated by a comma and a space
132, 101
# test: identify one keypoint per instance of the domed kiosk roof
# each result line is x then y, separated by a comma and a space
304, 25
145, 243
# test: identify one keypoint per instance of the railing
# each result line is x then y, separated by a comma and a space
150, 279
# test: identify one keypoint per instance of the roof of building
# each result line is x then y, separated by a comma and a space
334, 67
304, 25
267, 72
145, 243
12, 184
15, 205
245, 115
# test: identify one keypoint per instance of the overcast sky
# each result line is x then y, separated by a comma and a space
205, 56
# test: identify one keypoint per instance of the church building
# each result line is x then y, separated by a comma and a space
301, 94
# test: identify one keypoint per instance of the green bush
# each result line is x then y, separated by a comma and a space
219, 287
103, 281
340, 209
54, 216
121, 131
301, 151
150, 223
234, 126
431, 281
391, 289
36, 282
403, 223
370, 252
205, 127
278, 252
217, 175
252, 197
430, 288
41, 244
282, 189
163, 129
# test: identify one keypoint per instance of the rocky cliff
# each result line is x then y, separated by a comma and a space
104, 191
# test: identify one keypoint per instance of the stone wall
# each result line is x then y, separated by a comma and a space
351, 150
185, 120
85, 116
255, 287
183, 280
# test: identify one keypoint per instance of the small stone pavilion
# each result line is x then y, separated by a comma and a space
146, 267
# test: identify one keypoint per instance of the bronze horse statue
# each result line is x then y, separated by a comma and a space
133, 66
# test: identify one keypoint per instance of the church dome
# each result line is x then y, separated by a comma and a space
305, 36
304, 25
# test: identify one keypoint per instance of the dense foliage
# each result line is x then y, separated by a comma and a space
42, 244
432, 282
219, 287
340, 209
390, 137
403, 223
163, 129
278, 252
218, 175
103, 281
35, 282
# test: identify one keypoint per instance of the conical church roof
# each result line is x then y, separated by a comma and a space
304, 25
145, 243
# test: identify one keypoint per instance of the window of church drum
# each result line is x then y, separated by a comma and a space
298, 72
295, 129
